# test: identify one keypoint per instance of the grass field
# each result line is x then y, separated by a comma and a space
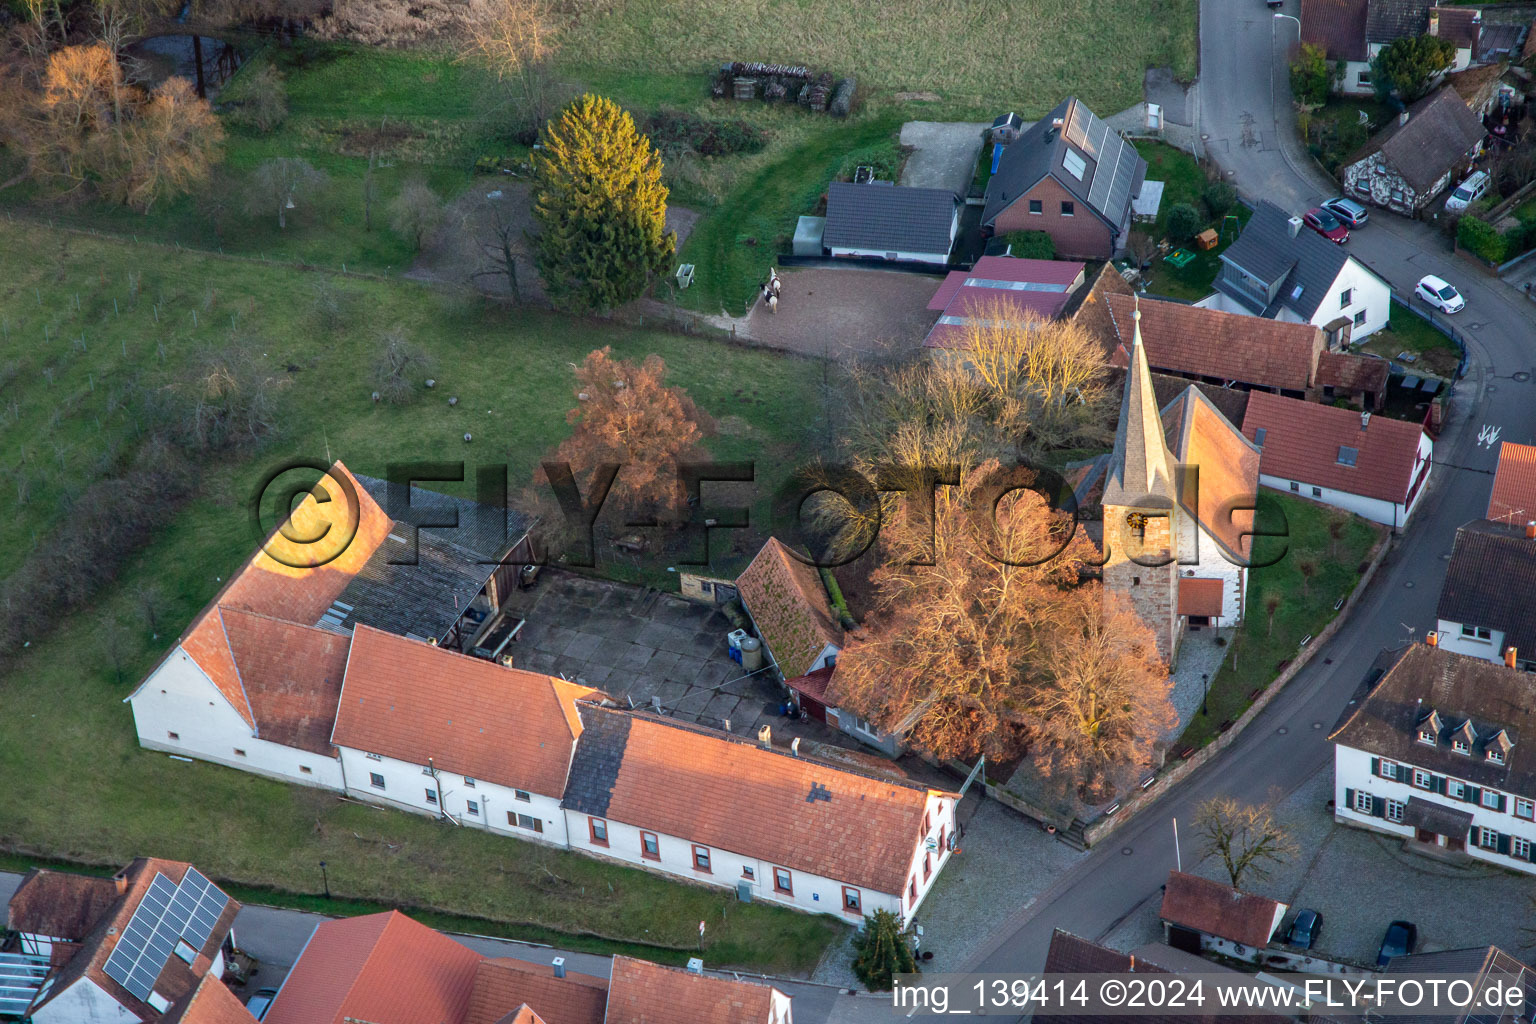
1263, 648
64, 724
1407, 332
1184, 181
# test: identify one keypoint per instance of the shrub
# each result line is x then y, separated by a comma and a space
260, 100
1183, 221
398, 368
1219, 198
1311, 76
1480, 239
884, 159
1030, 245
672, 130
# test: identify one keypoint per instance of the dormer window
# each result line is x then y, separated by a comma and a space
1429, 728
1460, 746
1427, 735
1495, 755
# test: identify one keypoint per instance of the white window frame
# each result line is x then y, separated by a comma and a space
1495, 755
1461, 746
1489, 799
1487, 839
1455, 788
1520, 847
1389, 769
1395, 811
1429, 779
1427, 736
1365, 803
376, 780
472, 808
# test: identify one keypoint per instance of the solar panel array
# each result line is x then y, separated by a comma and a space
167, 914
1114, 158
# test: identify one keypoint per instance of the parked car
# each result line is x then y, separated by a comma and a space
1439, 293
1467, 193
1305, 929
1400, 939
1347, 210
261, 1002
1327, 225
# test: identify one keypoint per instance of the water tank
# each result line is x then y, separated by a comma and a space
751, 654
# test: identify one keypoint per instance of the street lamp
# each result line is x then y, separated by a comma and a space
325, 879
1205, 699
1292, 17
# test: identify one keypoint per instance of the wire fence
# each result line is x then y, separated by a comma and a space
1440, 323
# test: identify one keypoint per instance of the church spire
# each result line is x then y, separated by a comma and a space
1141, 465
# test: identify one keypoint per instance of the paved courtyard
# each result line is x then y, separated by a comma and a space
943, 154
643, 646
1360, 882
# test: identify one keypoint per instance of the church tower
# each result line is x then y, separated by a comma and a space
1140, 511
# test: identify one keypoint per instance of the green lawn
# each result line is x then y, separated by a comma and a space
1335, 131
1407, 332
1263, 648
1184, 181
63, 724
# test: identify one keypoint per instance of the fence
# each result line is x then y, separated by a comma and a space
1441, 324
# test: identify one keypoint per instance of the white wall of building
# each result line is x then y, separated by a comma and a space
779, 1008
178, 709
84, 1002
406, 786
920, 257
1352, 771
1374, 509
1201, 557
1369, 295
1451, 638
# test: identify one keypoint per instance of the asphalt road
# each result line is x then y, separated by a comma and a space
1252, 134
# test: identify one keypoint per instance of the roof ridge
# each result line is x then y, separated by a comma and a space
239, 677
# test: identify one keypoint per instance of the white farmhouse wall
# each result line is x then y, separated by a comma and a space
1374, 509
1369, 294
919, 257
940, 811
1225, 303
1352, 770
1356, 79
1201, 557
1451, 638
779, 1009
178, 698
84, 1002
406, 785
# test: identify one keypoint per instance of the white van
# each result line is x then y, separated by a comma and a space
1467, 193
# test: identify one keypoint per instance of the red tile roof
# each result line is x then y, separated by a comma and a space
521, 1015
736, 795
1211, 343
176, 978
1514, 485
1089, 310
789, 605
1226, 464
503, 984
381, 968
813, 684
1200, 597
1350, 372
1215, 909
1337, 26
647, 993
410, 700
60, 904
291, 675
1302, 442
1460, 25
211, 1002
981, 292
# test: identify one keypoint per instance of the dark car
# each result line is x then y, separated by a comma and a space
1347, 210
1400, 939
1327, 225
1304, 929
261, 1002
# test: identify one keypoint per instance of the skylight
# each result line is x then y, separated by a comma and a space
1296, 292
1074, 164
1347, 455
1258, 436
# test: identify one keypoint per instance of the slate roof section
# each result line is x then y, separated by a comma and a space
645, 993
382, 968
176, 978
1440, 132
893, 218
1385, 720
1140, 467
790, 607
1221, 490
1267, 250
1001, 286
1513, 499
1212, 343
1302, 442
1438, 818
1489, 582
1393, 19
1489, 964
1337, 26
211, 1002
736, 795
484, 531
1346, 371
502, 984
412, 701
1215, 909
1477, 85
60, 904
418, 593
1112, 169
291, 675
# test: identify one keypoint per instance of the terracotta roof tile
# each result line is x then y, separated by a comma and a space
410, 700
292, 677
1302, 442
1337, 26
1089, 309
736, 795
60, 903
647, 993
790, 607
1226, 464
1457, 24
812, 684
1215, 909
382, 968
521, 1015
1514, 485
1350, 372
504, 984
1200, 597
1211, 343
211, 1002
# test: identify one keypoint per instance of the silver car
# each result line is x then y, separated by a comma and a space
1347, 210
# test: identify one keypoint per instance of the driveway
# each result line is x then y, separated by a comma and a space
943, 153
835, 312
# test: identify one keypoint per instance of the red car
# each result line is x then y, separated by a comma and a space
1326, 224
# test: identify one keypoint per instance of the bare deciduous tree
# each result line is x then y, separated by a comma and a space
278, 183
415, 212
399, 368
514, 39
1271, 606
504, 246
1246, 837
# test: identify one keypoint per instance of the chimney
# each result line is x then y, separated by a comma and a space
695, 965
122, 882
727, 725
1509, 657
765, 736
1434, 22
1432, 638
1365, 419
506, 660
558, 963
1294, 224
1530, 530
1402, 117
432, 640
794, 746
